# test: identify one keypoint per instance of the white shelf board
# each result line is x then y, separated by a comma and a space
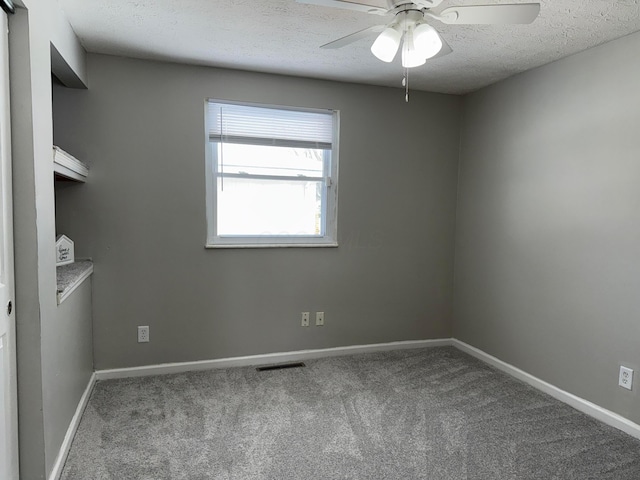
67, 166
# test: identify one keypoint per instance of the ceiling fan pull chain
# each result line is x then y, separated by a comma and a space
405, 82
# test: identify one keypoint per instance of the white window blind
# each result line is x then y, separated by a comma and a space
230, 123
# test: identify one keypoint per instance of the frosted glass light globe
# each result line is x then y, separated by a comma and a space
386, 45
426, 41
411, 57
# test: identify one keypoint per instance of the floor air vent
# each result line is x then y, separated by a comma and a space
280, 366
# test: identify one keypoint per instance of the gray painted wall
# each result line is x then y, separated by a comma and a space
69, 366
52, 355
141, 216
548, 228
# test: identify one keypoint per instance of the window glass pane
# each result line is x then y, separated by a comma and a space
267, 160
269, 207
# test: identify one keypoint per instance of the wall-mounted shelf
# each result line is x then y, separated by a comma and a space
71, 276
68, 167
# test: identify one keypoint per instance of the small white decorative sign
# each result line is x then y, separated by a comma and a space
64, 250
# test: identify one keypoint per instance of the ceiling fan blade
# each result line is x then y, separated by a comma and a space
445, 50
358, 7
490, 14
354, 37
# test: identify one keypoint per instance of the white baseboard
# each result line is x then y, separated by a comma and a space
58, 465
591, 409
266, 359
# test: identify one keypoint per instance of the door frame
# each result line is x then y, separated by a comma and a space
9, 342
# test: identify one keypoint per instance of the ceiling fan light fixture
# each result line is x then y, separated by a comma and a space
426, 40
411, 57
386, 45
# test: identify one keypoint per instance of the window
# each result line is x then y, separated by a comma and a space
271, 176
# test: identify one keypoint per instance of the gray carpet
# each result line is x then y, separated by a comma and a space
433, 414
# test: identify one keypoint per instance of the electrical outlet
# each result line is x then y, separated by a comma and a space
625, 380
319, 319
305, 319
143, 334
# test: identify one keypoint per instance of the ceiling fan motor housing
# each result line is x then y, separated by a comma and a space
415, 5
408, 18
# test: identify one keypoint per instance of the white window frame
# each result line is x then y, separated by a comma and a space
329, 238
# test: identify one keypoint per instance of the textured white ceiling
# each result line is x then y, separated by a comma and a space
282, 36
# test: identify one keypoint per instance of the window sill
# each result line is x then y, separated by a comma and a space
274, 245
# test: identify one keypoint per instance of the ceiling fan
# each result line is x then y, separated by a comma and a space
421, 40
